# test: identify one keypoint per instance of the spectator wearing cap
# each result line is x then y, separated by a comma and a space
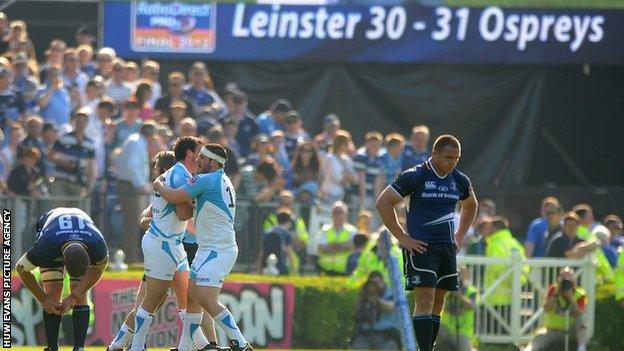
231, 168
55, 100
246, 125
74, 79
261, 149
201, 92
116, 87
85, 60
26, 179
84, 36
129, 124
175, 91
273, 119
392, 158
331, 126
133, 184
293, 133
12, 105
34, 131
24, 82
368, 163
74, 157
417, 150
614, 223
105, 57
150, 70
542, 229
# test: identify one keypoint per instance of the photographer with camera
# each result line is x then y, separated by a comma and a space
457, 320
563, 313
375, 323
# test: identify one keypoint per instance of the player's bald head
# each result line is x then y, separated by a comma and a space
76, 259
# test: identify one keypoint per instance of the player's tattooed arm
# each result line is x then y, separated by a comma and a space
172, 195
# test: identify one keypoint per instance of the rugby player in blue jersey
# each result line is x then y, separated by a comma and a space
430, 241
66, 239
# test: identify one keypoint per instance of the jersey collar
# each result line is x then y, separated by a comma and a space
430, 166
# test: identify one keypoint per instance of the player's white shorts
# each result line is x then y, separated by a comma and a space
210, 267
162, 258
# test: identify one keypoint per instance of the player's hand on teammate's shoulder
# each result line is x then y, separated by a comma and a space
413, 245
51, 306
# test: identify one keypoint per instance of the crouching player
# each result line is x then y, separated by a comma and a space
66, 239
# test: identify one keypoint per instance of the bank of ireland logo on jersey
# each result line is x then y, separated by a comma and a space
430, 185
453, 186
173, 27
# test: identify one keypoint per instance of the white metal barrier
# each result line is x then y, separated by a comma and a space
515, 322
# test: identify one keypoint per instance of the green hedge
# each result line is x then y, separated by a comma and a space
323, 316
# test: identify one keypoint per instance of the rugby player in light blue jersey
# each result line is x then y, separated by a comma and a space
214, 230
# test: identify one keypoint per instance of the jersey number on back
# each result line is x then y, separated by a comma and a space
229, 191
65, 222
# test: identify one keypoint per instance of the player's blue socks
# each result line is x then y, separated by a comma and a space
227, 323
423, 325
80, 318
124, 335
142, 321
436, 326
51, 323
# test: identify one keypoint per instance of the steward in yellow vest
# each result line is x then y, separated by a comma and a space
336, 242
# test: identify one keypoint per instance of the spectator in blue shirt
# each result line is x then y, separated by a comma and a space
54, 99
201, 92
393, 157
273, 119
417, 151
542, 228
278, 241
247, 128
129, 124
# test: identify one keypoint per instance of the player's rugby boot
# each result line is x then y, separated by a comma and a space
235, 346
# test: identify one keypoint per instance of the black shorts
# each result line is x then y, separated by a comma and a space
191, 250
435, 268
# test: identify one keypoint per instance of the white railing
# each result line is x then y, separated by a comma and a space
516, 322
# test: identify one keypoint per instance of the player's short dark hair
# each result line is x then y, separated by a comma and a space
164, 160
571, 216
284, 216
76, 260
359, 240
184, 144
499, 222
582, 210
217, 149
446, 140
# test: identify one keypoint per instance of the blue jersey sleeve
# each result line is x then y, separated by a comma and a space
198, 185
98, 253
178, 178
408, 182
464, 185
